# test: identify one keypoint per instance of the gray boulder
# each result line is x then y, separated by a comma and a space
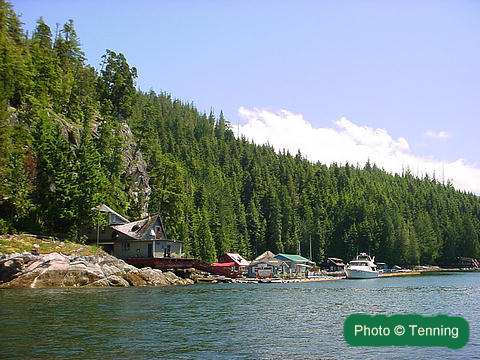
58, 270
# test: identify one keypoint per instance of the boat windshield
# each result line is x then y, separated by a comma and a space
358, 263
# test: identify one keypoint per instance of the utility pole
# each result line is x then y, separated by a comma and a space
311, 248
98, 225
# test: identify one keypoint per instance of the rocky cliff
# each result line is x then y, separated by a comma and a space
27, 270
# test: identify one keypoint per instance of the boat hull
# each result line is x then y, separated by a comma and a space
360, 274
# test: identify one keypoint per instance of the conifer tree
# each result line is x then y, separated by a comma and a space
116, 85
91, 182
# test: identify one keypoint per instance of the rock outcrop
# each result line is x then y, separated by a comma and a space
27, 270
134, 166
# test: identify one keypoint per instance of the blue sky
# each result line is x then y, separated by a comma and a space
393, 81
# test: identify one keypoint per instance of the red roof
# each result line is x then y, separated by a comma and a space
225, 264
236, 257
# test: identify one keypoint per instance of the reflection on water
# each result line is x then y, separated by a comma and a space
303, 321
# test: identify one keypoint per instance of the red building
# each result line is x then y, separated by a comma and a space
232, 261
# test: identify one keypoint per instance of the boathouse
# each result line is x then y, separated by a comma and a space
266, 265
297, 264
144, 238
232, 261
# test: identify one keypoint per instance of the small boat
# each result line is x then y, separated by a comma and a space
363, 267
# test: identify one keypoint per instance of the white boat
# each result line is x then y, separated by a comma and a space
363, 267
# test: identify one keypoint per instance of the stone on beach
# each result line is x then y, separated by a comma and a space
27, 270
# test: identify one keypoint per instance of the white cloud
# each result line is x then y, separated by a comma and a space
348, 142
441, 135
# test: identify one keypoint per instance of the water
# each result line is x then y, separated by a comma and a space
228, 321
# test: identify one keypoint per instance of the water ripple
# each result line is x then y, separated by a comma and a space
225, 321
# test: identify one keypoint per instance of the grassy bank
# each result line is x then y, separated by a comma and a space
18, 243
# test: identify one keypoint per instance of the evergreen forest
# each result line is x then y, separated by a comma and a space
67, 129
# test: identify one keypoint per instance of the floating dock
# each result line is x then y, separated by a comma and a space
404, 273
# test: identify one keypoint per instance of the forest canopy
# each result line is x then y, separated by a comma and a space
63, 135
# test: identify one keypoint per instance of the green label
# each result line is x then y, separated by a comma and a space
401, 330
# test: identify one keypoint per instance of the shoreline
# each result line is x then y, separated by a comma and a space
51, 263
56, 270
333, 278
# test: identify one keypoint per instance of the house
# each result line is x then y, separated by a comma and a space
266, 265
334, 264
144, 238
233, 261
297, 264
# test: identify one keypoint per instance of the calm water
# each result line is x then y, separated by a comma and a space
261, 321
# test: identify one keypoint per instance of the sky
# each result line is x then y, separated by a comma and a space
393, 82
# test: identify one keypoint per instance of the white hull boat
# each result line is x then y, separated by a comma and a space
363, 267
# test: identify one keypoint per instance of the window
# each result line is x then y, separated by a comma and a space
125, 246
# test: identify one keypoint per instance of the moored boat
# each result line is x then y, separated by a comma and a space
363, 267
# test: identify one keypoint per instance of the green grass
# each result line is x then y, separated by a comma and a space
10, 244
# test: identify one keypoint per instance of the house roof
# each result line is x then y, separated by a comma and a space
270, 261
105, 208
265, 255
336, 261
238, 259
292, 257
225, 264
137, 230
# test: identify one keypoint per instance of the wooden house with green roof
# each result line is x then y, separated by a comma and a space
297, 264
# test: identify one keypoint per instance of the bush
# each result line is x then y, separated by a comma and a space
6, 227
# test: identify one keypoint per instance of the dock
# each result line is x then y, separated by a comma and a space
165, 264
403, 273
331, 278
185, 263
